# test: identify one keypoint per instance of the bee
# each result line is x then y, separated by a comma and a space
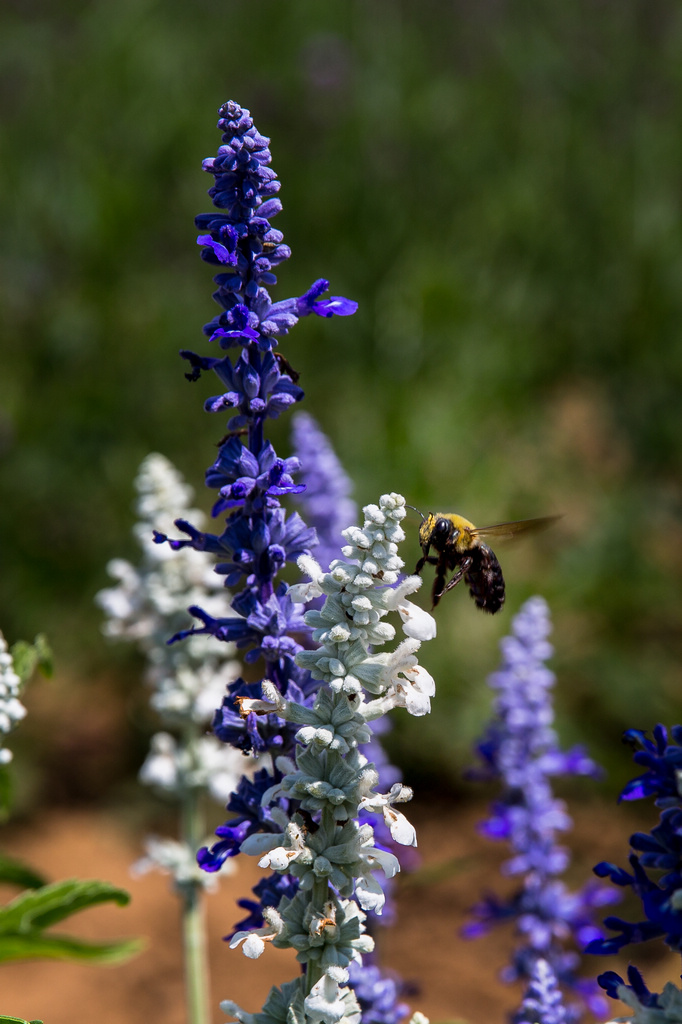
462, 551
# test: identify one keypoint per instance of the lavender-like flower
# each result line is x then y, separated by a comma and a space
521, 749
250, 478
327, 506
187, 680
147, 606
321, 840
326, 499
649, 1007
258, 539
378, 994
655, 878
542, 1002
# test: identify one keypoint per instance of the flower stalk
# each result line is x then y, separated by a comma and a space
323, 843
306, 813
197, 985
521, 750
655, 877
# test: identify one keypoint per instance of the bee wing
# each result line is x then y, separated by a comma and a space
504, 531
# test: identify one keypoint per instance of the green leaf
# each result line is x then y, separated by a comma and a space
29, 657
17, 1020
13, 872
45, 906
34, 945
23, 920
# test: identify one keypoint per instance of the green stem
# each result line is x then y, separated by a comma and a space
193, 917
319, 896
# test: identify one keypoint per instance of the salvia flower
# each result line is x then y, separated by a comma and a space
283, 815
187, 682
326, 499
322, 842
520, 748
326, 505
649, 1007
378, 993
543, 1001
663, 762
655, 875
11, 709
259, 537
299, 812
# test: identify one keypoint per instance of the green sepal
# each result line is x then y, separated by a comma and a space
284, 1005
14, 872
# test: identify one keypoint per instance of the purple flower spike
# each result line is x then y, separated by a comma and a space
663, 761
378, 994
655, 877
221, 252
335, 305
543, 1002
325, 500
520, 748
257, 539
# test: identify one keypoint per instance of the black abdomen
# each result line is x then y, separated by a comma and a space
485, 580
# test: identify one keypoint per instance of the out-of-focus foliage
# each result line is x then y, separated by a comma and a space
499, 185
23, 922
15, 872
28, 657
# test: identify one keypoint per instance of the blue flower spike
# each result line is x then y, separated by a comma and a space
313, 813
521, 749
655, 875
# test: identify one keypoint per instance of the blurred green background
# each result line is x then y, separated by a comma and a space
499, 186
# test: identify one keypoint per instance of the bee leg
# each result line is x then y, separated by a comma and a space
420, 564
440, 587
459, 575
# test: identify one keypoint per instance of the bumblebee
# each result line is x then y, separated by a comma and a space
462, 551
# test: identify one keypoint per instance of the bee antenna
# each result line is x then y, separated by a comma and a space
415, 510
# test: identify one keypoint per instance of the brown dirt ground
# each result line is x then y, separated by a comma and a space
456, 979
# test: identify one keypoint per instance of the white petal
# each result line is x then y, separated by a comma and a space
253, 947
278, 859
301, 593
325, 1004
401, 829
309, 567
369, 893
417, 623
416, 703
388, 862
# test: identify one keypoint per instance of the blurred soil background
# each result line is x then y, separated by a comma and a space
500, 187
449, 978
